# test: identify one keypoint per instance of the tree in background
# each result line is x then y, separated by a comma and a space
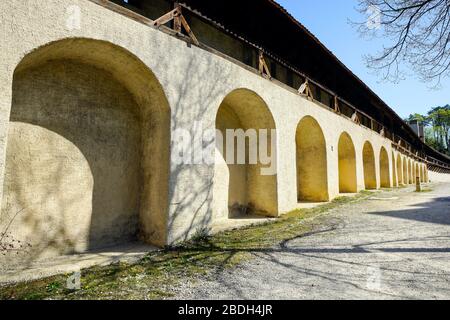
418, 117
437, 127
417, 34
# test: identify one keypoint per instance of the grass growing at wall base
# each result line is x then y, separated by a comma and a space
157, 275
425, 190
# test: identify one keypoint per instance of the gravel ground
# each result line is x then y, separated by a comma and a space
395, 245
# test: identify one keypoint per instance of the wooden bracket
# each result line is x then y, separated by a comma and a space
336, 105
177, 17
306, 90
263, 68
179, 21
355, 118
172, 15
189, 31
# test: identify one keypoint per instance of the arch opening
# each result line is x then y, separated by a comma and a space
394, 171
347, 164
312, 172
399, 170
405, 171
384, 169
242, 188
411, 172
87, 159
370, 178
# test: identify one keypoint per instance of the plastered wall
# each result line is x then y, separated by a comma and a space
118, 65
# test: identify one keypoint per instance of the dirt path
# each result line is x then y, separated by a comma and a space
393, 246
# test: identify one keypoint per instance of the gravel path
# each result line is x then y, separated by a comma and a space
394, 245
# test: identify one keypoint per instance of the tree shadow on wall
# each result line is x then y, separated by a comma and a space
73, 159
191, 185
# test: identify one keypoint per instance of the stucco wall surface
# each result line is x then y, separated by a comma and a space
105, 97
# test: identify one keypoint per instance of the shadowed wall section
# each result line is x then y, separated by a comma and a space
394, 171
416, 171
370, 177
384, 169
88, 145
410, 172
312, 183
408, 164
241, 189
400, 170
405, 171
347, 164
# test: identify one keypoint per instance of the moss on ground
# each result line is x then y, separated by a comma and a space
155, 276
425, 190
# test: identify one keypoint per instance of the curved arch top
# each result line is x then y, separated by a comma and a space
123, 65
250, 108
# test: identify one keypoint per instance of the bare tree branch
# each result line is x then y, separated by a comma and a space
417, 33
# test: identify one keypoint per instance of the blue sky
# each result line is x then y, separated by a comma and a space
328, 21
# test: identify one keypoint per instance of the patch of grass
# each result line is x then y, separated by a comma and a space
53, 287
367, 193
158, 273
424, 190
201, 235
